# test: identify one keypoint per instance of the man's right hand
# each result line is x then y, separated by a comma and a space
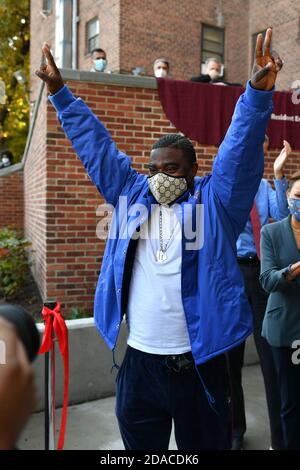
49, 73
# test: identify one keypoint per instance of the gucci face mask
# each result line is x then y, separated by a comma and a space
166, 188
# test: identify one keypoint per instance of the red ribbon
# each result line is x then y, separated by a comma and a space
55, 324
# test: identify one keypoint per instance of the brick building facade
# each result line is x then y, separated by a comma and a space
11, 197
60, 203
135, 32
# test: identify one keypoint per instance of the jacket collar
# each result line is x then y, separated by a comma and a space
288, 236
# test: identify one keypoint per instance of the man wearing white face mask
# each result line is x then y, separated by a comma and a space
6, 159
213, 73
161, 68
99, 60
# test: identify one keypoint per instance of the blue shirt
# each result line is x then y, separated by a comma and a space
269, 203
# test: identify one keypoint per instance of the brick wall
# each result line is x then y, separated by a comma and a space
108, 12
135, 32
35, 197
151, 29
42, 30
11, 198
61, 202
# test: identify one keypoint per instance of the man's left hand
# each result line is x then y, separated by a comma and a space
266, 64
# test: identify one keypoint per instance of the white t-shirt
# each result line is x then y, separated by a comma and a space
156, 318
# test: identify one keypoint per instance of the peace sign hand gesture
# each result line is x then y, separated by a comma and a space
266, 64
49, 73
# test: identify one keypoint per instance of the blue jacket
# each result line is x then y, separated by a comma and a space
269, 203
217, 312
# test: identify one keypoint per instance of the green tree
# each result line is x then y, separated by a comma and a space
14, 56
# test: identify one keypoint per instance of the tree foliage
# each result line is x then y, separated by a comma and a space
14, 264
14, 56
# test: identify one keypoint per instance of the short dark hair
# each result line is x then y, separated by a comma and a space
97, 49
177, 141
292, 179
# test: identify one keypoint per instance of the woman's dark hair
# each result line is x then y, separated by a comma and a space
292, 179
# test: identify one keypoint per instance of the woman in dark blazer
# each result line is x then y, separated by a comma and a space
280, 276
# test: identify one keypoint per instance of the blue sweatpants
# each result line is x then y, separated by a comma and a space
150, 396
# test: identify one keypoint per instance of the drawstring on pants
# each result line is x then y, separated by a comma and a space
211, 400
115, 365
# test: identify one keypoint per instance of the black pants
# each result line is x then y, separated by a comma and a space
258, 301
289, 379
150, 396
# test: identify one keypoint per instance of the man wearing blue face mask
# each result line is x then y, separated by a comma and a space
99, 60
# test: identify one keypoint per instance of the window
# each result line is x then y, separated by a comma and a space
212, 43
47, 6
63, 33
92, 30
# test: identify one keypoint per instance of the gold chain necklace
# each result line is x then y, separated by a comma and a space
161, 253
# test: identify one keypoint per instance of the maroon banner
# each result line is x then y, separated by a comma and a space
203, 112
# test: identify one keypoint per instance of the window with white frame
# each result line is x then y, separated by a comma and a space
212, 43
47, 6
63, 33
92, 34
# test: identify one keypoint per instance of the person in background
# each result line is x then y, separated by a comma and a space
268, 203
6, 159
280, 277
161, 68
99, 60
17, 389
213, 72
213, 69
